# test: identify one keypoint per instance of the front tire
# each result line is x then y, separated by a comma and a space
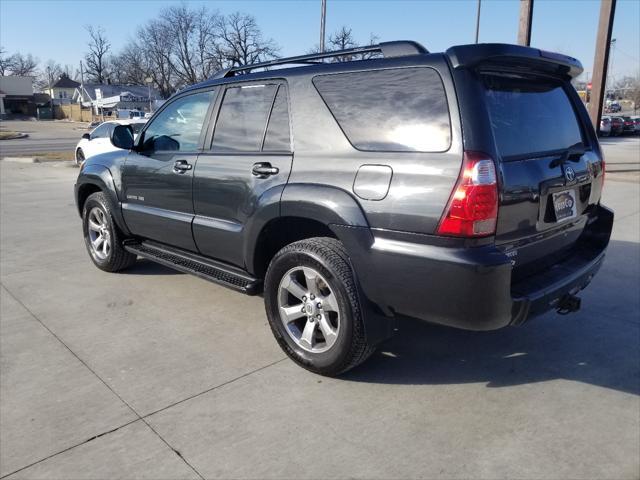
79, 157
102, 237
311, 299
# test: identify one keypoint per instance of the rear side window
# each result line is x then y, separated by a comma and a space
400, 110
243, 118
277, 137
530, 116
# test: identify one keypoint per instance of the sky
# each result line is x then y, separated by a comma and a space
51, 29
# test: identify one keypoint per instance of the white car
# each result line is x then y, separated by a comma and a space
99, 139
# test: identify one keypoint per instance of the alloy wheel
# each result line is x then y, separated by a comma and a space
308, 309
99, 233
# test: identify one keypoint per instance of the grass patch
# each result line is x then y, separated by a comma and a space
7, 135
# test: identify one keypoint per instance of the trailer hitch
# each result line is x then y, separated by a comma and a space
568, 304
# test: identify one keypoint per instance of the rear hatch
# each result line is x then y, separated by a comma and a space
548, 173
549, 163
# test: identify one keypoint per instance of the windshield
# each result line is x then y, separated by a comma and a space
530, 116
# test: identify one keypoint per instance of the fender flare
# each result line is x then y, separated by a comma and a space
329, 205
101, 176
340, 212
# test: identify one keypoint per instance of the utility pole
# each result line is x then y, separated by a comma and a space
601, 61
524, 28
323, 16
478, 21
149, 80
81, 85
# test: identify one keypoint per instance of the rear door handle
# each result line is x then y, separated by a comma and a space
182, 166
264, 169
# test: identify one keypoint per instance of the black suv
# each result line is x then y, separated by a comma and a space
461, 188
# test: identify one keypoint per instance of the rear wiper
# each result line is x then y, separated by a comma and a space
573, 153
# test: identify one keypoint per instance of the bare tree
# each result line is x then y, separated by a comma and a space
129, 66
241, 41
96, 58
4, 62
183, 46
156, 43
193, 50
22, 65
343, 39
49, 75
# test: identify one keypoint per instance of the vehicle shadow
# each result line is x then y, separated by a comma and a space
147, 267
600, 345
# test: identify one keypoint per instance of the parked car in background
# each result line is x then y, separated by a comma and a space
617, 125
99, 139
613, 107
628, 125
605, 126
636, 124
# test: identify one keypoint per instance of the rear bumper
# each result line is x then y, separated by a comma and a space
466, 287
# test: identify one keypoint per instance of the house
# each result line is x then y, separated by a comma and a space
17, 95
61, 92
112, 97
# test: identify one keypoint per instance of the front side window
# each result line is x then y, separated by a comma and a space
399, 110
243, 118
103, 131
178, 126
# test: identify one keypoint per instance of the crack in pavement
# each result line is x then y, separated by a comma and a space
141, 418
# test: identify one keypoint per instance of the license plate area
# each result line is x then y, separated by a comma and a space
564, 205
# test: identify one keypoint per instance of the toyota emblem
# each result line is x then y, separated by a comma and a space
569, 174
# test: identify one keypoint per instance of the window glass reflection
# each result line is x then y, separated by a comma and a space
403, 109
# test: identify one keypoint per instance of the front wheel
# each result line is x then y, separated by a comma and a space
102, 237
312, 305
79, 157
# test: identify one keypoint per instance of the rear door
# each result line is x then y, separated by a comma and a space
248, 157
551, 171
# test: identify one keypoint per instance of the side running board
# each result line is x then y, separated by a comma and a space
197, 265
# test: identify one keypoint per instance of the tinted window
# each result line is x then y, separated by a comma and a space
178, 126
103, 131
277, 136
391, 110
243, 118
529, 117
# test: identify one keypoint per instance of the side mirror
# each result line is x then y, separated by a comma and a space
86, 136
122, 137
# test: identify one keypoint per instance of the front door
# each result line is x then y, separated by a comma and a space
157, 176
249, 159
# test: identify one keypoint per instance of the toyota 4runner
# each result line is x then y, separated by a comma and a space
461, 188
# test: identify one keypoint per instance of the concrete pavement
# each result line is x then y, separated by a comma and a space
156, 374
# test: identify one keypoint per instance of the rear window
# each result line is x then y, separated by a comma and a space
398, 110
530, 116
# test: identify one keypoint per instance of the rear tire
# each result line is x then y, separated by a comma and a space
311, 299
102, 237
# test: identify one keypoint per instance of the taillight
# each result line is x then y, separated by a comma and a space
473, 207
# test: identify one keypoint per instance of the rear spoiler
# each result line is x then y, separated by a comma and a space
516, 57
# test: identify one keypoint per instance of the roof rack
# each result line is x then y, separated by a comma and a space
399, 48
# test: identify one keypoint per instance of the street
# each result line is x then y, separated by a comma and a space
156, 374
44, 136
